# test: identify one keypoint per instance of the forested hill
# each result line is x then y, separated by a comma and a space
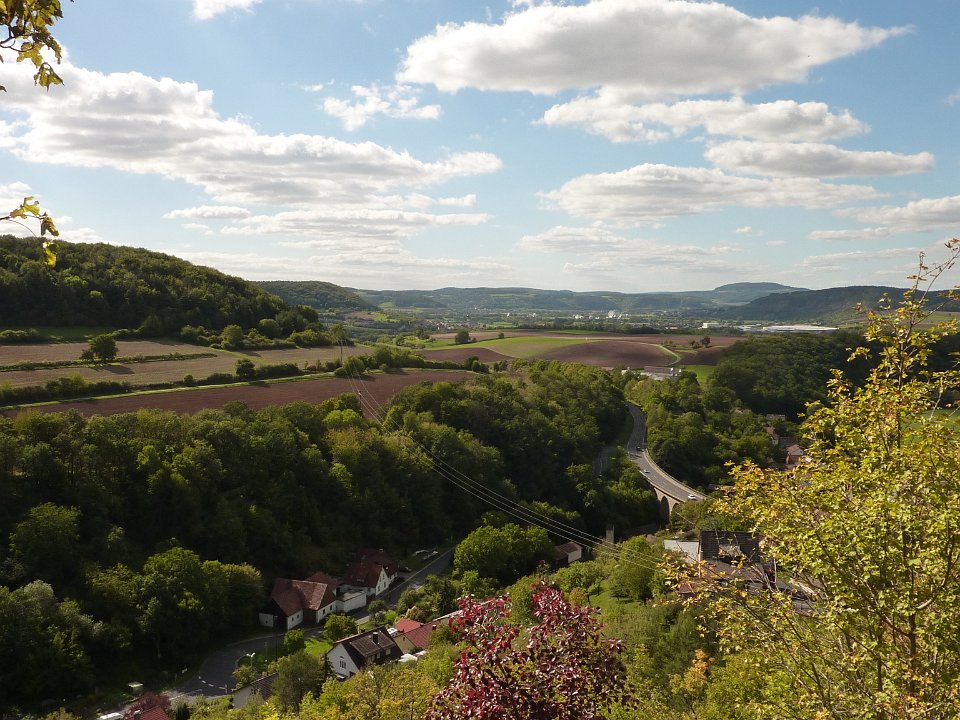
830, 305
318, 295
529, 299
98, 284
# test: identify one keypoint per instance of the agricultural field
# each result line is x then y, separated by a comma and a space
375, 390
157, 371
602, 349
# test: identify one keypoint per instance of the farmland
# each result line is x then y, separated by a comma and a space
375, 391
149, 373
599, 349
602, 349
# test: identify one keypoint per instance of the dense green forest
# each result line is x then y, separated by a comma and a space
109, 285
784, 373
830, 305
135, 540
319, 295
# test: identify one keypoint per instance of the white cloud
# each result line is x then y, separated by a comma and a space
784, 159
836, 262
745, 230
858, 234
953, 98
83, 235
11, 195
779, 120
197, 226
574, 240
776, 243
648, 193
397, 101
207, 9
606, 252
917, 216
134, 123
420, 201
637, 50
330, 227
387, 265
210, 212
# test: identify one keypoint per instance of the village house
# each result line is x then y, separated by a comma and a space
293, 601
566, 554
374, 647
371, 572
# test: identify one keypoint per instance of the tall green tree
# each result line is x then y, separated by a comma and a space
867, 529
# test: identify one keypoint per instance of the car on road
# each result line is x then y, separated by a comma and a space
691, 496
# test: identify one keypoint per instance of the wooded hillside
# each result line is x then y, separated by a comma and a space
109, 285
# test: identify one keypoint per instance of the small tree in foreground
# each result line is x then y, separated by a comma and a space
867, 527
559, 669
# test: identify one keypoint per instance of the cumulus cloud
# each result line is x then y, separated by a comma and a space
209, 212
744, 230
835, 262
329, 227
650, 192
780, 120
207, 9
917, 216
784, 159
636, 50
387, 265
604, 252
573, 239
139, 124
11, 195
397, 101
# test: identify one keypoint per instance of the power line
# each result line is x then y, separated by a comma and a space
495, 499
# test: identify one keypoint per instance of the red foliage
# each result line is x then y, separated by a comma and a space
560, 669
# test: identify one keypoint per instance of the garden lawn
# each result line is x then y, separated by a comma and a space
317, 646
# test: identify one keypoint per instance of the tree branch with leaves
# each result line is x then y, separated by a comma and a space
867, 528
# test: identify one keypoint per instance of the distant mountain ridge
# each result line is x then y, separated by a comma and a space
734, 302
835, 305
518, 299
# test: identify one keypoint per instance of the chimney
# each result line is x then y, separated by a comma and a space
375, 637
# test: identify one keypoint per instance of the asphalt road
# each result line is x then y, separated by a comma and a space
636, 448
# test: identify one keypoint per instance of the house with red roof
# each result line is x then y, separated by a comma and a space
293, 601
371, 571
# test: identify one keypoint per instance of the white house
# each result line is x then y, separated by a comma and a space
374, 647
292, 601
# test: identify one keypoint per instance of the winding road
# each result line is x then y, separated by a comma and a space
661, 481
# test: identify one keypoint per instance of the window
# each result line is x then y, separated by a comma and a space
343, 663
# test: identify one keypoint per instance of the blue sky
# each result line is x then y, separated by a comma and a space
631, 145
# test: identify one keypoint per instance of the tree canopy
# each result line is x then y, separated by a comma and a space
866, 531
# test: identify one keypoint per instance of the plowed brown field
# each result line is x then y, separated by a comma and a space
375, 392
610, 353
158, 371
